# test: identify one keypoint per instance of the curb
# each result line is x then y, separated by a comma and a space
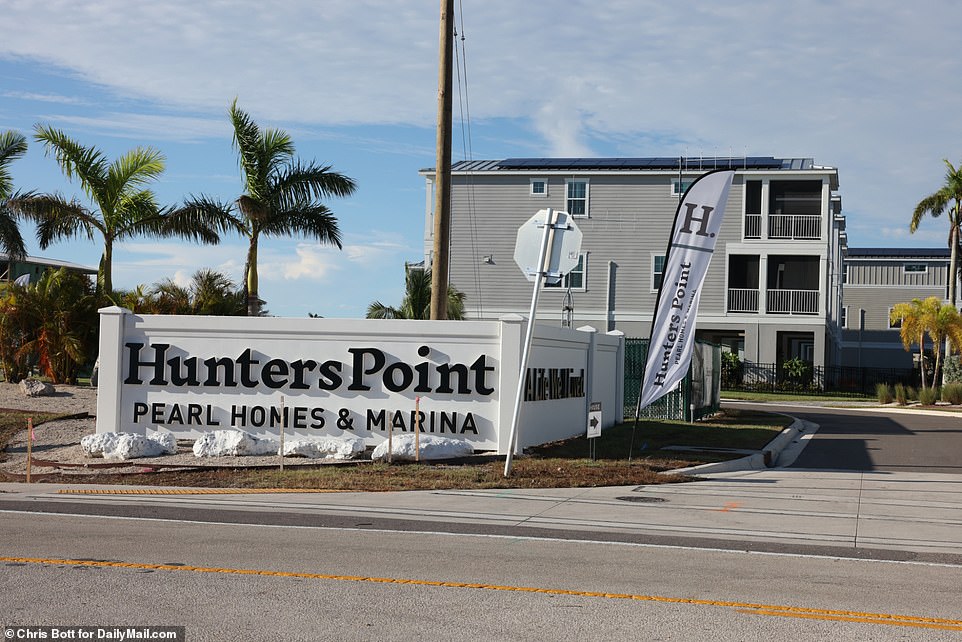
766, 458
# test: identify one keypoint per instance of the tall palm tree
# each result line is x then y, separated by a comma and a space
281, 197
13, 145
947, 199
122, 207
417, 299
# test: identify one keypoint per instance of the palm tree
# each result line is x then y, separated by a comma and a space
912, 319
417, 299
122, 206
943, 325
13, 145
281, 197
947, 198
208, 293
60, 312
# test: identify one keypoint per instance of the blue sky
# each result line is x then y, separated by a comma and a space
871, 87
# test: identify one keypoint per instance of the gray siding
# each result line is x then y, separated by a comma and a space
877, 301
629, 221
886, 273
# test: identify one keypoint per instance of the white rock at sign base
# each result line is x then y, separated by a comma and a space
122, 445
345, 447
233, 443
432, 447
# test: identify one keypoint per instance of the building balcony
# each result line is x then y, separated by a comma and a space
792, 302
743, 300
805, 227
753, 226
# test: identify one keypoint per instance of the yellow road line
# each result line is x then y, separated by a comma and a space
742, 607
191, 491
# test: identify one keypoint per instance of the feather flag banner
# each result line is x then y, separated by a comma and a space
690, 248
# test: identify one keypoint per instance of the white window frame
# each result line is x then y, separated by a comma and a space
924, 270
568, 182
562, 284
531, 184
843, 321
654, 258
888, 320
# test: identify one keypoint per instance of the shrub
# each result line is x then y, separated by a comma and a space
901, 395
912, 393
731, 370
928, 396
952, 393
884, 393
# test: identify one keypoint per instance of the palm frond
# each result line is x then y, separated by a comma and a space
13, 145
11, 241
56, 217
311, 220
204, 217
300, 182
132, 171
86, 163
378, 310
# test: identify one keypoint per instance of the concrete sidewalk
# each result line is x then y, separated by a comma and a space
742, 503
843, 510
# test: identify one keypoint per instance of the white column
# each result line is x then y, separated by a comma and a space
512, 344
112, 321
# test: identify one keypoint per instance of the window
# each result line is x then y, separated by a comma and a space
894, 325
575, 279
915, 268
577, 197
539, 188
843, 317
679, 187
657, 271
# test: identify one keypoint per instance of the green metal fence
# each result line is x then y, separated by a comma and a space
697, 396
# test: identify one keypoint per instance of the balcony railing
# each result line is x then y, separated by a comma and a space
742, 300
753, 226
795, 226
793, 301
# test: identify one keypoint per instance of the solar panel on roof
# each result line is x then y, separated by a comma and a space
663, 162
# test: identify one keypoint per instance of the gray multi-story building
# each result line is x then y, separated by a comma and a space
875, 280
773, 291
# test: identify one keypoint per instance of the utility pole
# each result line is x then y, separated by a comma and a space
442, 176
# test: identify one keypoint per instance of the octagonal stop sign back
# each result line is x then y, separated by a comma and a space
562, 255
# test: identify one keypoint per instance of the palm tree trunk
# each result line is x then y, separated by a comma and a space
922, 359
104, 280
253, 301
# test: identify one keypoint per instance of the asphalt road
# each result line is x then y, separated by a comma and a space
522, 566
344, 584
863, 440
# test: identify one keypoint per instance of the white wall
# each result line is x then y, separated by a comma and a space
336, 376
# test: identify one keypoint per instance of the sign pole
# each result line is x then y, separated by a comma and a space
283, 426
546, 238
417, 430
29, 446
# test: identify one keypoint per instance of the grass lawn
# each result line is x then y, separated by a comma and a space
747, 395
561, 464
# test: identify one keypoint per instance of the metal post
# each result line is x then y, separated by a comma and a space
543, 255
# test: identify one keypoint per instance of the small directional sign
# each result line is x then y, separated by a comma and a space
594, 419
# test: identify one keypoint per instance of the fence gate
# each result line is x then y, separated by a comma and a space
698, 394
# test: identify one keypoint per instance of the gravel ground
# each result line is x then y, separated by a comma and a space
59, 441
